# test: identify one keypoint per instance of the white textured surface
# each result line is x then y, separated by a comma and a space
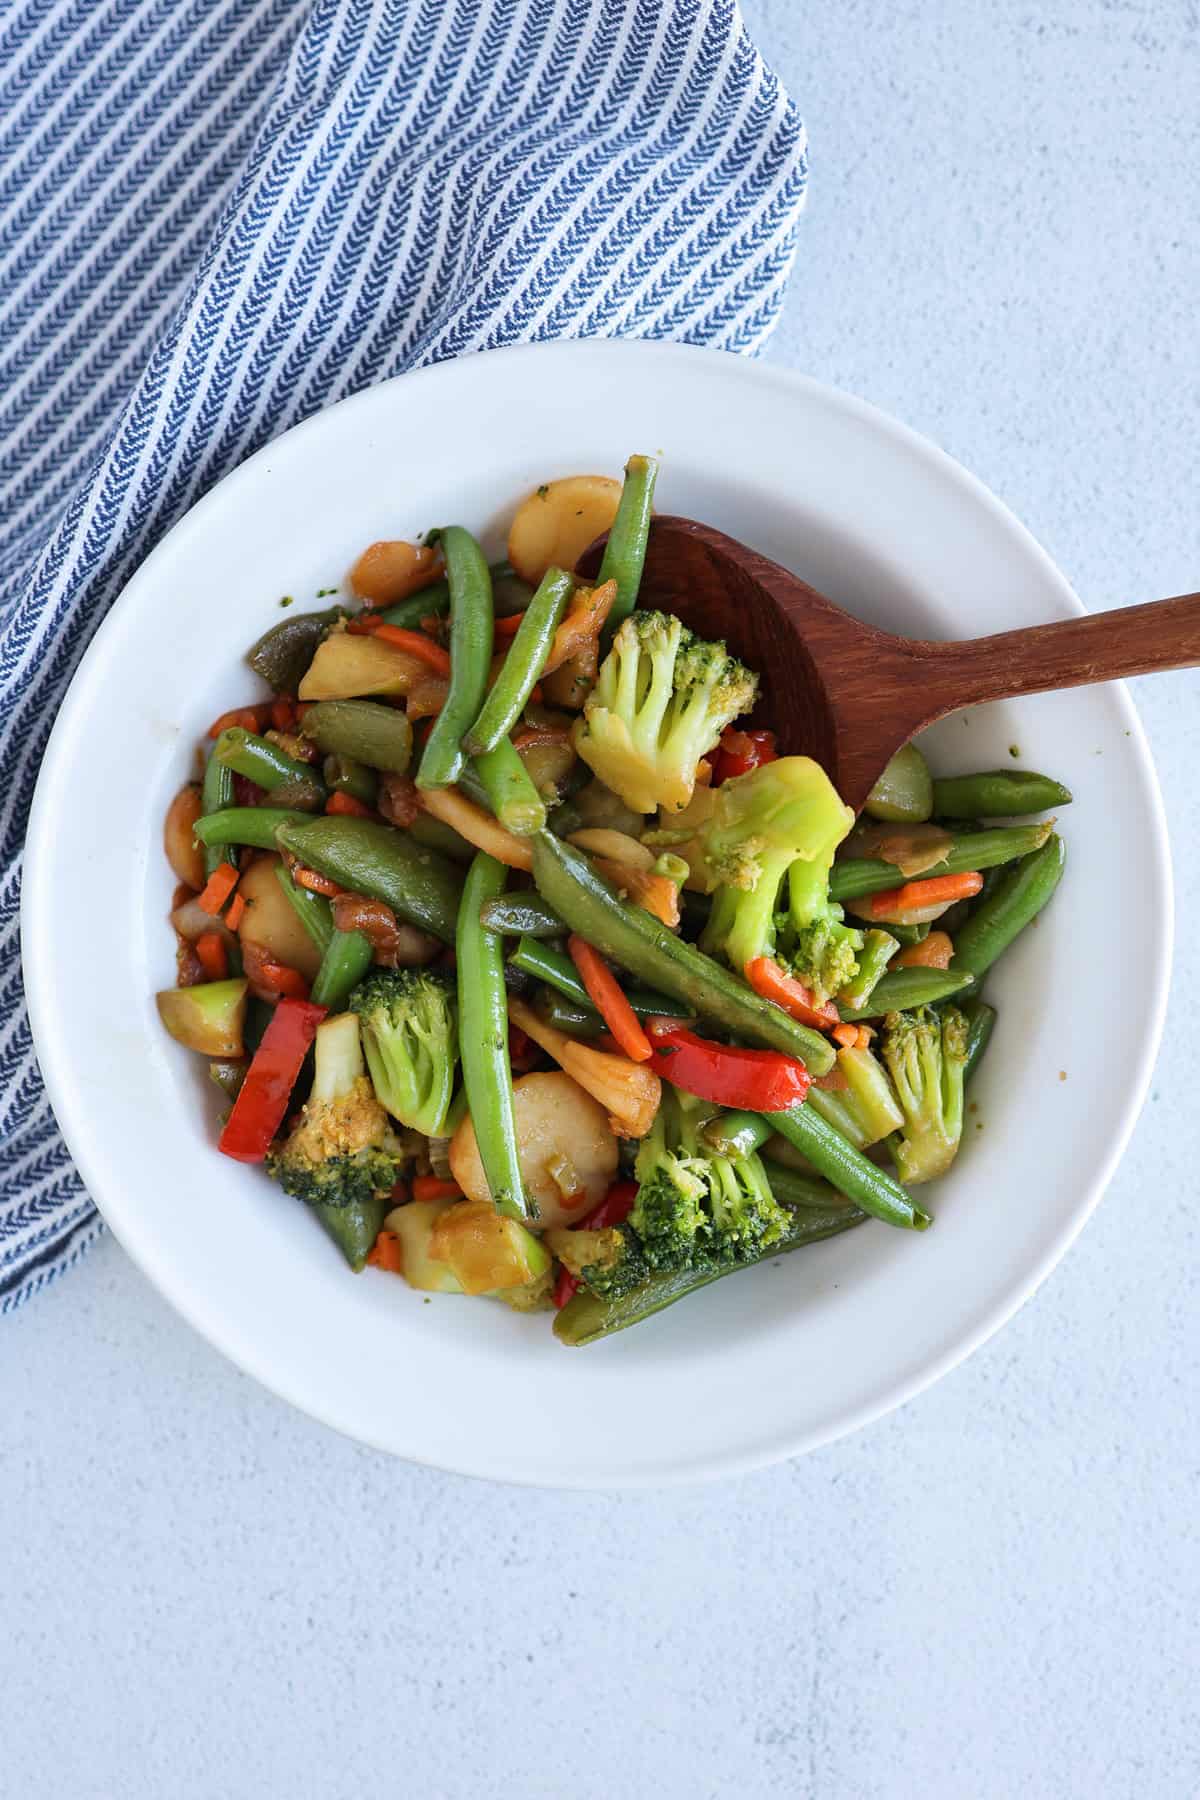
994, 1592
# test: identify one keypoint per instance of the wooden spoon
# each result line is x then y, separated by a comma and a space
850, 695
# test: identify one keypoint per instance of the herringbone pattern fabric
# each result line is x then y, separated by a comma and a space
217, 216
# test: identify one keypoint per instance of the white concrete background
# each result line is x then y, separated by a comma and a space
992, 1593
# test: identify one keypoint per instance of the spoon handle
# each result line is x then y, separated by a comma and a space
1135, 640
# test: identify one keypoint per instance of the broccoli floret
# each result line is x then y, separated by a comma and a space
660, 703
343, 1157
813, 941
610, 1262
782, 814
695, 1208
410, 1035
926, 1056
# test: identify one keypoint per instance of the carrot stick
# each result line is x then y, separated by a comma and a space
210, 948
508, 626
431, 1187
249, 718
606, 996
385, 1253
935, 891
845, 1036
218, 888
417, 644
237, 907
933, 952
316, 884
349, 806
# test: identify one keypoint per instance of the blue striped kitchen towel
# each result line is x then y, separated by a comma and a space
217, 216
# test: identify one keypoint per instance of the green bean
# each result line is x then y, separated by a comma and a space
510, 790
901, 989
997, 794
522, 666
848, 1169
483, 1035
736, 1133
343, 775
386, 864
346, 960
282, 655
380, 736
564, 1015
904, 792
216, 795
254, 826
625, 551
586, 1317
313, 910
549, 965
640, 943
1016, 900
981, 1021
878, 949
471, 626
432, 602
523, 915
293, 783
799, 1192
857, 876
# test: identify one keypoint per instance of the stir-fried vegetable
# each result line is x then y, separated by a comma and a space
535, 970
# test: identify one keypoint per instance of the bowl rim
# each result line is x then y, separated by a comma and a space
50, 1044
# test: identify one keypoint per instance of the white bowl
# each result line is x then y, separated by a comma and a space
758, 1367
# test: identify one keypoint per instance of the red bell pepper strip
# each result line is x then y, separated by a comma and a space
746, 1080
773, 983
614, 1209
741, 751
259, 1108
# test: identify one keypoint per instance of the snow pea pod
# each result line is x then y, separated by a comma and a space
640, 943
386, 864
431, 603
523, 915
586, 1317
471, 625
380, 736
282, 655
343, 775
997, 794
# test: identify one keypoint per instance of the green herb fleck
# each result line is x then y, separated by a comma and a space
287, 600
543, 491
1014, 749
324, 593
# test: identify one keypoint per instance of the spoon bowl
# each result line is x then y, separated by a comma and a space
850, 695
